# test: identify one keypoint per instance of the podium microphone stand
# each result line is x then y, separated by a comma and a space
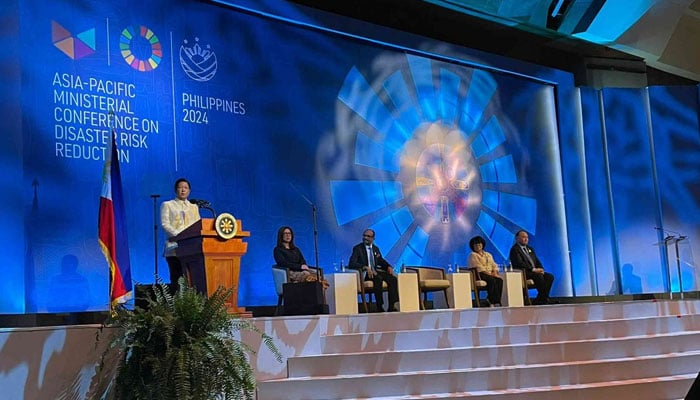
674, 237
676, 240
155, 236
315, 228
665, 243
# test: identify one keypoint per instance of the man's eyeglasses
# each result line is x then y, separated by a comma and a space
369, 236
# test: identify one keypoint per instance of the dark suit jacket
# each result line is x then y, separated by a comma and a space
518, 259
292, 259
358, 259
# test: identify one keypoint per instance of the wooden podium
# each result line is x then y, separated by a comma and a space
211, 261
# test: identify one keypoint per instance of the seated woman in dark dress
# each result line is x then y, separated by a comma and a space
482, 261
288, 255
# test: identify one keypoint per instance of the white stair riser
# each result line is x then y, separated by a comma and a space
484, 357
478, 380
518, 334
485, 317
673, 388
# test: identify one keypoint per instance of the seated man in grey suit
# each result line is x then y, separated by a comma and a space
367, 257
523, 257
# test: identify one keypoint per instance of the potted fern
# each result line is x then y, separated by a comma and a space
180, 347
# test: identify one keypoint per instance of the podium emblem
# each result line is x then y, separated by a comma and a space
226, 226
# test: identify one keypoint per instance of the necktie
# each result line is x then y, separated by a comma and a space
529, 259
370, 258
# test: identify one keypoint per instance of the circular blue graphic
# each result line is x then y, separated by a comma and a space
430, 160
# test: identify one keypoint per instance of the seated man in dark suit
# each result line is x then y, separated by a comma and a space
367, 257
523, 257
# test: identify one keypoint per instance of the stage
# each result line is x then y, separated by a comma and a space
641, 349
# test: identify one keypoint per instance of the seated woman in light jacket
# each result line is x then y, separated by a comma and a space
482, 261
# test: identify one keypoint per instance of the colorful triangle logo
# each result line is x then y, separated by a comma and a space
74, 46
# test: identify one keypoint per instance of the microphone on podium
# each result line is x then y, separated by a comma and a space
671, 234
200, 203
205, 204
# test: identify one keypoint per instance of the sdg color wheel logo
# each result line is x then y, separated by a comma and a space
140, 48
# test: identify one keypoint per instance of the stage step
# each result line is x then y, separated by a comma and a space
491, 356
474, 380
485, 317
665, 387
637, 350
430, 338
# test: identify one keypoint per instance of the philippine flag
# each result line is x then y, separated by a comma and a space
112, 230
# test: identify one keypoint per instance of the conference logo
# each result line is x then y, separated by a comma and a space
429, 152
74, 46
199, 63
140, 48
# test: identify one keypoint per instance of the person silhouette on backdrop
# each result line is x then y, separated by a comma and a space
288, 255
482, 261
631, 283
367, 257
175, 216
523, 257
70, 288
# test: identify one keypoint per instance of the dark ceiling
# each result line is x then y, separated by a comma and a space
531, 45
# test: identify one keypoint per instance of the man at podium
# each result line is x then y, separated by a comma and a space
175, 216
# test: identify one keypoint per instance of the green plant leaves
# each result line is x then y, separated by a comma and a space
181, 346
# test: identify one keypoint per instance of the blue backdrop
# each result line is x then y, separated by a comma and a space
263, 106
